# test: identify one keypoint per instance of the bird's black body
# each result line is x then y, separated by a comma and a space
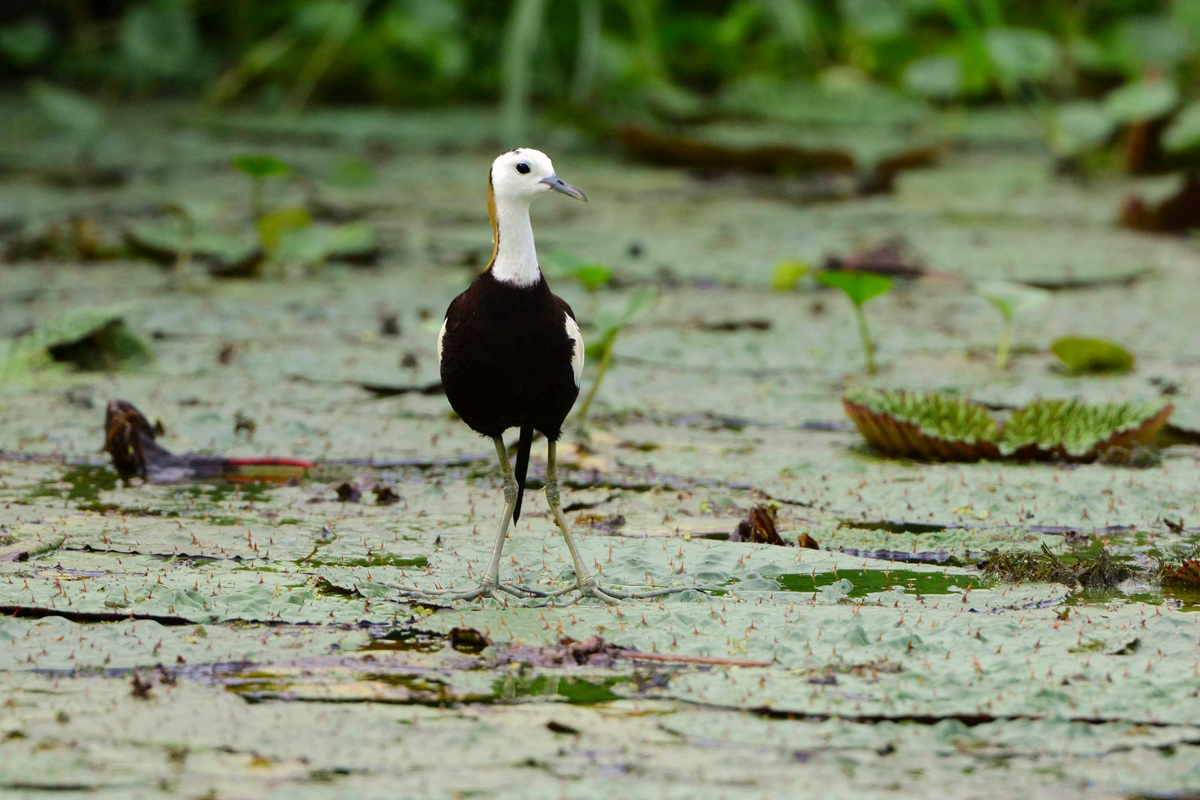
506, 362
511, 355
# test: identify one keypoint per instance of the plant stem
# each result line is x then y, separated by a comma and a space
1005, 341
516, 75
605, 360
866, 340
256, 197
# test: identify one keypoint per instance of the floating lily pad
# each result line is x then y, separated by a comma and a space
1083, 355
169, 239
945, 428
930, 426
90, 338
1076, 431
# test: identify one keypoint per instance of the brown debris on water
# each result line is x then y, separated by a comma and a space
468, 640
672, 150
891, 255
129, 439
1180, 565
758, 527
591, 652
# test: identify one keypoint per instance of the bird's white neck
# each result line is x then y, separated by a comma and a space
514, 258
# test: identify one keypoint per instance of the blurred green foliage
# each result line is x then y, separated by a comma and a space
1087, 67
434, 51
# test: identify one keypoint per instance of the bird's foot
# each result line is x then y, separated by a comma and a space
484, 589
590, 587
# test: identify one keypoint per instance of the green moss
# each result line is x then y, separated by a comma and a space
938, 415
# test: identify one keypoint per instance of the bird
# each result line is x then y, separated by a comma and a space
511, 356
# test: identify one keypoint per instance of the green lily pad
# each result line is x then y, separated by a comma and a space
168, 239
1080, 431
942, 427
90, 338
1085, 356
931, 426
1013, 299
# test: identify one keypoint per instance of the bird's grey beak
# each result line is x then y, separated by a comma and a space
559, 185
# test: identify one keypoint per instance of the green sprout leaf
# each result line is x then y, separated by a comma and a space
561, 264
593, 276
1013, 299
271, 227
608, 325
788, 274
1084, 356
860, 287
260, 166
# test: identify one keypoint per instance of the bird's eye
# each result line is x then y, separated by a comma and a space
523, 168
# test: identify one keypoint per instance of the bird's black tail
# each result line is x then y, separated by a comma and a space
523, 446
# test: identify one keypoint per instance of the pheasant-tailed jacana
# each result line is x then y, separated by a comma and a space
511, 355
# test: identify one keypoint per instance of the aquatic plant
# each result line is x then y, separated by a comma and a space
944, 427
607, 326
1011, 300
860, 287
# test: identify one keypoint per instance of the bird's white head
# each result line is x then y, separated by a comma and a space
522, 174
516, 178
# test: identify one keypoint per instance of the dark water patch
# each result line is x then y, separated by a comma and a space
406, 641
870, 581
574, 690
939, 557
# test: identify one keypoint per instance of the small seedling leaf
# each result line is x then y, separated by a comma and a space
1013, 299
593, 276
1083, 355
609, 323
261, 166
788, 274
858, 286
272, 226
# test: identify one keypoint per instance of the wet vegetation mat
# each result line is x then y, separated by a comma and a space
912, 620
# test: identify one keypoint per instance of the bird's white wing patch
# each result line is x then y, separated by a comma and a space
442, 335
577, 351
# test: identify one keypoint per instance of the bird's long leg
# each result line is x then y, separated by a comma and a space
490, 583
585, 581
